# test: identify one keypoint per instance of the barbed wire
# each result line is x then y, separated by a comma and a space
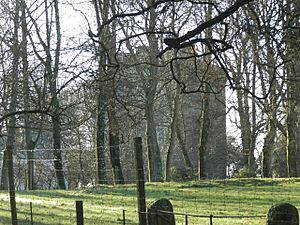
207, 216
69, 149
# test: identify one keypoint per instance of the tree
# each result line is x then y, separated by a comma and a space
144, 61
101, 101
175, 131
292, 24
156, 69
51, 64
204, 116
154, 157
52, 74
267, 67
106, 97
114, 144
30, 143
172, 41
8, 165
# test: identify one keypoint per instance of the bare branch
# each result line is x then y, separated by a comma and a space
175, 42
22, 112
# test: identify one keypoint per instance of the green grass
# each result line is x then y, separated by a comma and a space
105, 204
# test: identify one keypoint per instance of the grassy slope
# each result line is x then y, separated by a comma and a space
105, 204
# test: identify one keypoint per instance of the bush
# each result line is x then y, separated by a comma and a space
182, 174
245, 172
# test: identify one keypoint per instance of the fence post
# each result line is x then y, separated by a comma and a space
124, 218
31, 213
139, 162
79, 212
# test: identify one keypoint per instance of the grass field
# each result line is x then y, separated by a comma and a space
242, 198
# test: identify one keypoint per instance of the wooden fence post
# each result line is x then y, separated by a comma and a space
139, 162
124, 218
31, 213
79, 212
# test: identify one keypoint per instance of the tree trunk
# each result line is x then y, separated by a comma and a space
204, 131
176, 127
293, 85
101, 100
28, 131
100, 137
186, 158
267, 149
292, 147
243, 111
271, 108
154, 157
170, 151
114, 149
11, 124
55, 118
204, 116
4, 172
81, 152
253, 130
57, 153
114, 144
269, 103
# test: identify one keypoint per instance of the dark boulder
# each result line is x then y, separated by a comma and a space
160, 212
283, 214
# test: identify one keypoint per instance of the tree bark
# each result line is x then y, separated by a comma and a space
4, 172
55, 118
100, 137
11, 124
101, 100
149, 75
186, 158
114, 145
293, 84
154, 156
205, 108
267, 149
271, 108
173, 128
269, 103
291, 124
28, 131
204, 131
243, 112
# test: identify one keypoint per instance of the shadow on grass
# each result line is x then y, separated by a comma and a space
5, 220
172, 191
244, 182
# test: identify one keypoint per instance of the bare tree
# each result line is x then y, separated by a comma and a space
292, 24
106, 48
30, 143
8, 164
172, 41
50, 60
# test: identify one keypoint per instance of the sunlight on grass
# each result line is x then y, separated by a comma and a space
105, 204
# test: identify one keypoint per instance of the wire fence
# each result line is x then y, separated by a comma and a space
211, 218
218, 202
201, 202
